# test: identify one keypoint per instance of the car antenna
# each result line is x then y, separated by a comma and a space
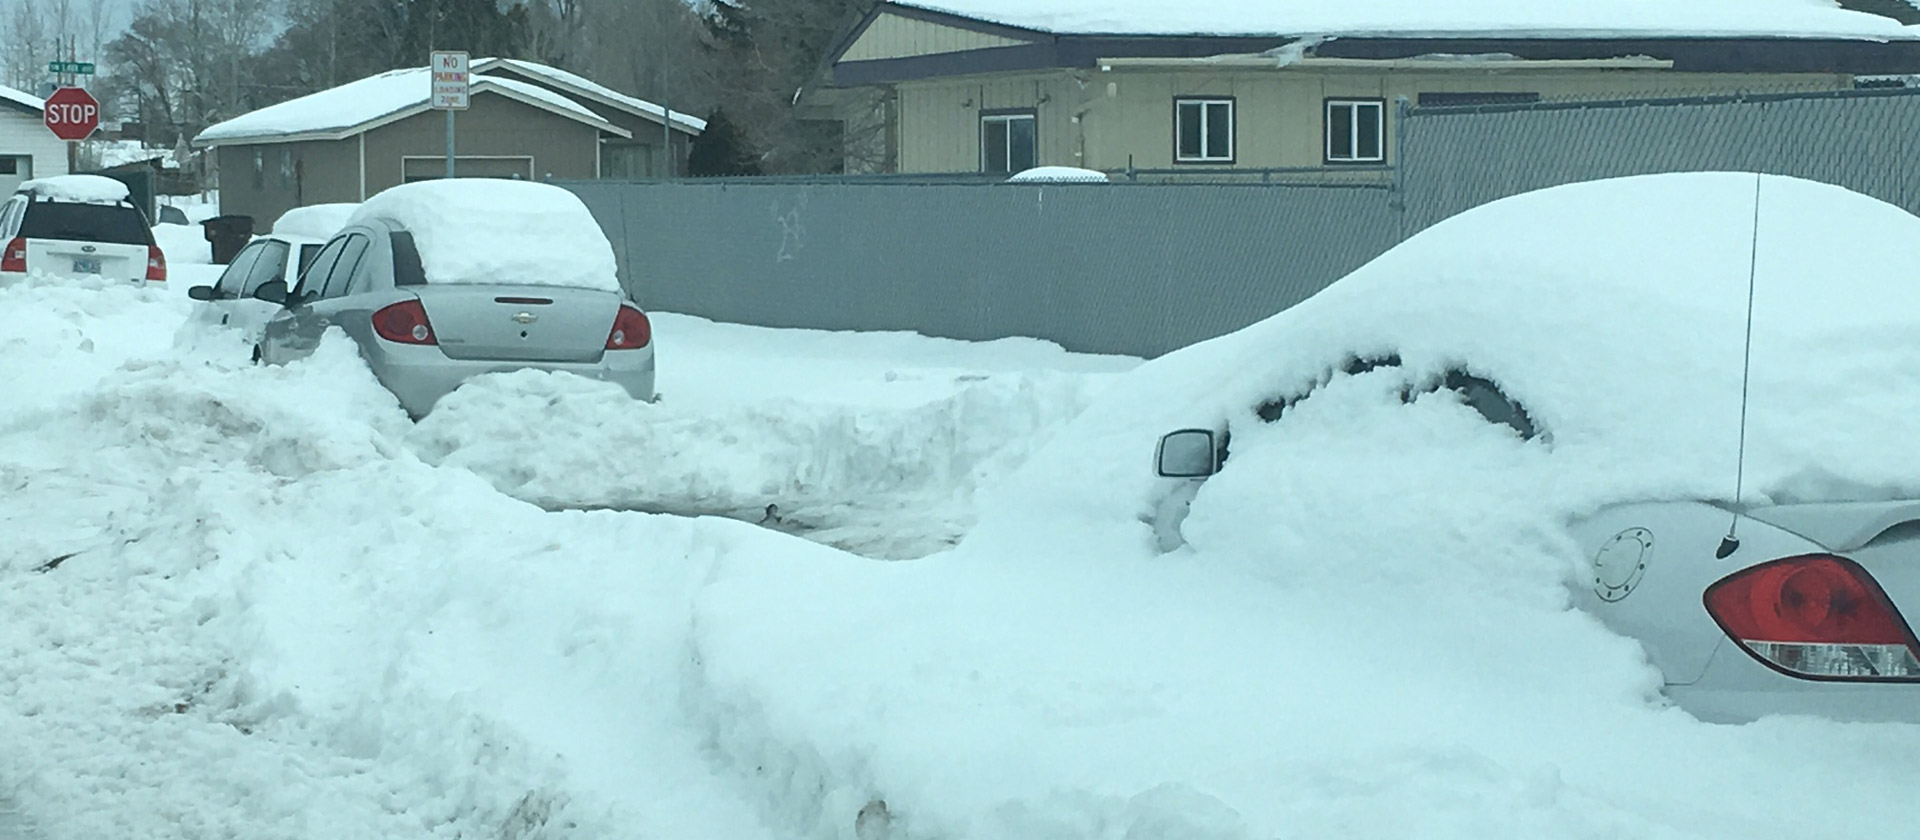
1731, 542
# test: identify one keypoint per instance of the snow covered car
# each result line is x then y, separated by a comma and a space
284, 253
78, 226
441, 281
1750, 520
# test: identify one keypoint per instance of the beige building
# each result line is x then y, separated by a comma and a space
524, 120
1001, 85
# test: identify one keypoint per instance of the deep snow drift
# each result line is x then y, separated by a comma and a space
258, 602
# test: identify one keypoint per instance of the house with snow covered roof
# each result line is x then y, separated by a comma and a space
525, 120
1305, 86
27, 148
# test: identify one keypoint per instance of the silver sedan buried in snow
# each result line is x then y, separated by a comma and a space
424, 334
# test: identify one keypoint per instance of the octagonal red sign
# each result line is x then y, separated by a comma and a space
72, 113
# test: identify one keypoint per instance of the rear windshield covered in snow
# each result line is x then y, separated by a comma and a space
116, 224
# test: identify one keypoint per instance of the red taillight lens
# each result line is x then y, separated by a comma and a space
1816, 616
156, 264
403, 323
14, 258
631, 330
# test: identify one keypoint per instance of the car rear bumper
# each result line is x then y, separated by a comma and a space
1736, 689
11, 277
420, 376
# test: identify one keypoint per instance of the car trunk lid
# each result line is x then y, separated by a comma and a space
108, 260
520, 323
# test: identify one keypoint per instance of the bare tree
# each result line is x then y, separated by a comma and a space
28, 45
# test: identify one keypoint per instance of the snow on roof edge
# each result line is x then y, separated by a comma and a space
21, 97
591, 88
365, 104
1155, 18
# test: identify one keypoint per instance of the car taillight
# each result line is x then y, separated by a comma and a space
156, 264
14, 258
403, 323
1815, 616
631, 330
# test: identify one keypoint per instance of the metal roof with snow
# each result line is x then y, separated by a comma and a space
1817, 19
583, 86
355, 107
21, 99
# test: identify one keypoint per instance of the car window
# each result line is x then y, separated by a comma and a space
1485, 397
272, 265
9, 217
120, 225
232, 281
315, 276
1272, 409
307, 253
339, 273
407, 270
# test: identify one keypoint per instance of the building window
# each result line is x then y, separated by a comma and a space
1203, 130
286, 166
259, 168
1354, 130
1006, 141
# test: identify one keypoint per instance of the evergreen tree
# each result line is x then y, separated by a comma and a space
721, 150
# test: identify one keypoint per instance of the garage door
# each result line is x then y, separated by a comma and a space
14, 169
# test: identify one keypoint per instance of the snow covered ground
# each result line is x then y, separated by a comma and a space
258, 602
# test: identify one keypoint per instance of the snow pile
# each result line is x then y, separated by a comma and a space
1059, 175
881, 481
314, 221
1419, 18
499, 231
240, 605
91, 189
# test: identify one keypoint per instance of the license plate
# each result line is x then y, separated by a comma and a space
86, 266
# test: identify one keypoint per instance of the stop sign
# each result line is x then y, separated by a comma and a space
72, 113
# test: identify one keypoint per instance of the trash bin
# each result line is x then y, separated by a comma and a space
228, 234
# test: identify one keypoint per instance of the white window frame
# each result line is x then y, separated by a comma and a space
1205, 103
1032, 120
1354, 108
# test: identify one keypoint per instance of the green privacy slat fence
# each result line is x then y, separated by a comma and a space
1144, 268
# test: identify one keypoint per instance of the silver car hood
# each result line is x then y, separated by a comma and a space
1840, 526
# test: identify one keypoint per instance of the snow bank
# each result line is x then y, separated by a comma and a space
314, 221
92, 189
1059, 174
486, 230
877, 480
1418, 18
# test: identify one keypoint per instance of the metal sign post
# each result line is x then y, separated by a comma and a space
451, 89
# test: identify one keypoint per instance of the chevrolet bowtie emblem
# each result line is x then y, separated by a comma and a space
525, 318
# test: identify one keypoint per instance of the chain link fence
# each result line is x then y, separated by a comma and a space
1452, 159
1143, 268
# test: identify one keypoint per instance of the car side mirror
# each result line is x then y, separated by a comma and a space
203, 293
1188, 453
272, 291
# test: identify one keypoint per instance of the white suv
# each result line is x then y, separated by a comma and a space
78, 226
